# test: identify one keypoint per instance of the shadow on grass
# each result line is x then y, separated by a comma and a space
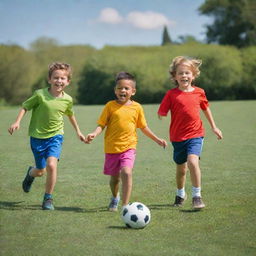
170, 206
17, 206
119, 227
81, 210
125, 228
158, 206
12, 206
190, 211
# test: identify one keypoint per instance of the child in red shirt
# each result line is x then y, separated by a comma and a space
186, 128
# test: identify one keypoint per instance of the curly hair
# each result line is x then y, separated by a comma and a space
60, 66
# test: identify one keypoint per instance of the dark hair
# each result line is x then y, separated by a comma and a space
125, 76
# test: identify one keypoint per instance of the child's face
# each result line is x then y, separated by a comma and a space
59, 80
184, 76
124, 90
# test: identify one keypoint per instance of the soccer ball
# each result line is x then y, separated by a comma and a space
136, 215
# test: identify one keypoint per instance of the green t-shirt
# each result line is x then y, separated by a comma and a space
47, 113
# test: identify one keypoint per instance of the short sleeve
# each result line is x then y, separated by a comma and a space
31, 102
165, 105
141, 122
70, 111
104, 117
204, 104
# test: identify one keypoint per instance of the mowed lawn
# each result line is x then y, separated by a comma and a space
81, 224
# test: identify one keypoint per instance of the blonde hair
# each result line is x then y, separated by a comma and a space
60, 66
192, 63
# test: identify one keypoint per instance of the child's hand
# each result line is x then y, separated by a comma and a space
89, 138
13, 128
162, 143
81, 136
218, 132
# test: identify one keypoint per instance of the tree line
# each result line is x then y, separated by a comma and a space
227, 73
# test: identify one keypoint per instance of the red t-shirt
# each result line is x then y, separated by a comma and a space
185, 113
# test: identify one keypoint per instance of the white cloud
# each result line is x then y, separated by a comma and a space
110, 15
148, 20
142, 20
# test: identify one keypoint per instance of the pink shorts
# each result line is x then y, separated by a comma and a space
115, 162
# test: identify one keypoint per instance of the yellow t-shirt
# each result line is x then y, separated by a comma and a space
121, 122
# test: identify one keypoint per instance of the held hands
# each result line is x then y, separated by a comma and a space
81, 136
217, 132
14, 127
89, 138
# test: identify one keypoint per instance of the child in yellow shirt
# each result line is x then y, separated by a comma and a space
121, 117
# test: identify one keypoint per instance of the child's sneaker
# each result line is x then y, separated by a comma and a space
47, 204
113, 205
27, 182
179, 201
197, 203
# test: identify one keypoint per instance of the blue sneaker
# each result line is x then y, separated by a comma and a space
27, 182
113, 205
47, 204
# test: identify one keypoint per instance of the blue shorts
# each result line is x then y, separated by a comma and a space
187, 147
44, 148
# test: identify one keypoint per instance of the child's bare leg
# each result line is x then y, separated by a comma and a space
30, 176
126, 176
51, 174
114, 185
181, 170
195, 173
51, 178
35, 172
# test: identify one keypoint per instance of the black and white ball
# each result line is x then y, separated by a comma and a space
136, 215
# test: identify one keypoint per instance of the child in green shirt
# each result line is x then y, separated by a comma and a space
46, 128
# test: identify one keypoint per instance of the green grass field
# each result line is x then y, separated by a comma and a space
81, 225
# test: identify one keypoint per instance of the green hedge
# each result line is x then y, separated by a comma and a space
227, 73
223, 73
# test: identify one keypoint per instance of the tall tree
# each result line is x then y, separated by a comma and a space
234, 22
166, 38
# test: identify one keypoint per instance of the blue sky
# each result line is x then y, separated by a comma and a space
99, 22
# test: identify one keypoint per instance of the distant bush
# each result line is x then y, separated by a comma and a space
227, 73
221, 73
95, 87
22, 71
17, 71
247, 88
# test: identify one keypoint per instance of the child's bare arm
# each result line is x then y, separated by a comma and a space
152, 136
74, 123
16, 125
215, 129
89, 138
